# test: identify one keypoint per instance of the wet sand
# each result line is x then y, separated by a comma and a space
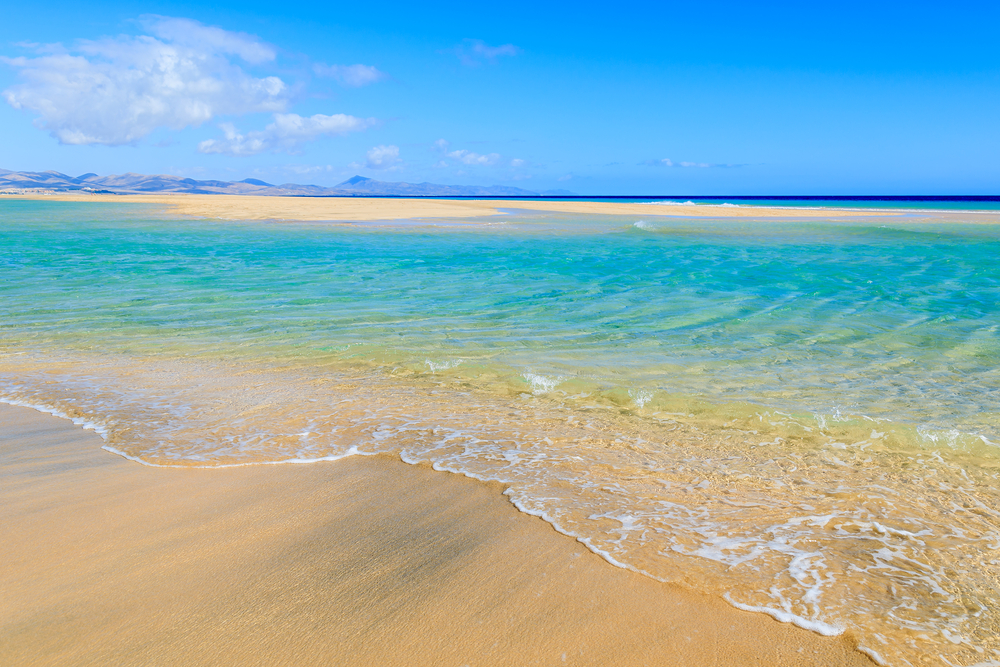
251, 207
363, 561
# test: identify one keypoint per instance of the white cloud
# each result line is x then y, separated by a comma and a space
353, 76
190, 33
667, 162
286, 133
567, 177
481, 48
467, 157
117, 90
382, 157
474, 52
470, 158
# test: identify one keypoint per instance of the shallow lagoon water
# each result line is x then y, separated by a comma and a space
799, 415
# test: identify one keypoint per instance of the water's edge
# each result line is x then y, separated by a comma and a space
820, 628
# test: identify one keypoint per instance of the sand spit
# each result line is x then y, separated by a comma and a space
249, 207
365, 561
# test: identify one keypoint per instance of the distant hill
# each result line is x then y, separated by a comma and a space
367, 186
358, 186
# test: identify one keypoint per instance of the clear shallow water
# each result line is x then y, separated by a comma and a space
799, 415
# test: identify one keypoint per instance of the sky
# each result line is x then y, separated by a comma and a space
658, 98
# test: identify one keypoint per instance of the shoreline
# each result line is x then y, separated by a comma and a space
364, 209
114, 562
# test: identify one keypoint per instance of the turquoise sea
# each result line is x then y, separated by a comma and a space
800, 415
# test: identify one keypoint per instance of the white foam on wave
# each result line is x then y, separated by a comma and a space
87, 424
442, 366
585, 541
667, 202
768, 204
541, 384
104, 432
640, 396
781, 615
522, 507
818, 627
879, 660
353, 451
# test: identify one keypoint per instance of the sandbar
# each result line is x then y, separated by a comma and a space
362, 561
251, 207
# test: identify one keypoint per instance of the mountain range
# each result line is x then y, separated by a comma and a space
358, 186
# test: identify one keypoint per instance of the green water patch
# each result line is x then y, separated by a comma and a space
895, 320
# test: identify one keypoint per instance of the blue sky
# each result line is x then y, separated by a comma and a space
693, 98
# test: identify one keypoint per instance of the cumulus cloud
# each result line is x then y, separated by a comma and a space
475, 52
117, 90
353, 76
285, 134
382, 158
188, 32
667, 162
467, 157
470, 158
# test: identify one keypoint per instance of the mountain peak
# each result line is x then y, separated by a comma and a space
356, 180
357, 186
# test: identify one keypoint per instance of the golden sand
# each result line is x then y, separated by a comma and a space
362, 561
250, 207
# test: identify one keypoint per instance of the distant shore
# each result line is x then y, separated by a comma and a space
363, 561
343, 209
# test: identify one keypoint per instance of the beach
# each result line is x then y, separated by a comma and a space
363, 561
248, 207
499, 336
789, 417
